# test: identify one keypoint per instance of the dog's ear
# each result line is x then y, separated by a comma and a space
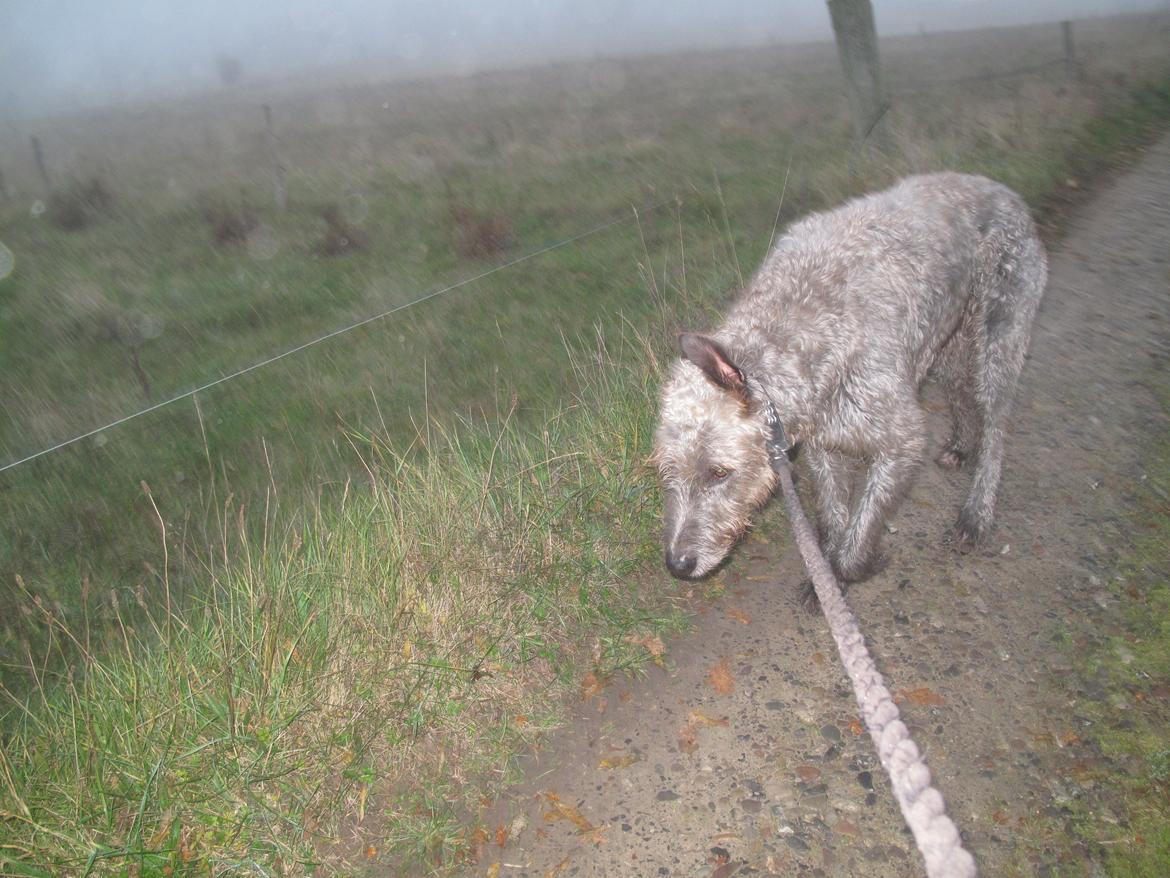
709, 355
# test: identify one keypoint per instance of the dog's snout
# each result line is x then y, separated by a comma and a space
681, 566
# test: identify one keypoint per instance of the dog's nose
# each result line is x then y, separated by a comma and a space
681, 567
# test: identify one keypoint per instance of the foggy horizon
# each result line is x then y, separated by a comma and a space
65, 56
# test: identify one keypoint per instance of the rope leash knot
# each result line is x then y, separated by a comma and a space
921, 804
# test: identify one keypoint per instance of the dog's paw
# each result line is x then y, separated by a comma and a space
968, 533
806, 596
861, 569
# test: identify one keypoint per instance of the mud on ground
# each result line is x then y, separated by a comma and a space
745, 754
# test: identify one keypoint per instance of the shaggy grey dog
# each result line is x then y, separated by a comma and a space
838, 329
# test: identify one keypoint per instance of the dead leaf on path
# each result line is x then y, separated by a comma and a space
501, 835
650, 642
590, 686
739, 616
493, 870
688, 741
720, 678
923, 696
1001, 817
698, 718
855, 726
558, 810
623, 761
556, 870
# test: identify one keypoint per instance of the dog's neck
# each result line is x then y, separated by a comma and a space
782, 389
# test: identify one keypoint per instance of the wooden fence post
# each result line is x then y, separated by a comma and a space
274, 158
39, 155
1072, 70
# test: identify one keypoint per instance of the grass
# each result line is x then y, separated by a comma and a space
1124, 822
304, 620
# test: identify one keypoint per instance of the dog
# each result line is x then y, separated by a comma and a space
837, 330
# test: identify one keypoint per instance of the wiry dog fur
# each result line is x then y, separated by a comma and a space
838, 328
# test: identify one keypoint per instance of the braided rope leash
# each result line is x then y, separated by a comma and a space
922, 805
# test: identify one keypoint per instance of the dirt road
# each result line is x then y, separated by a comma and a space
745, 755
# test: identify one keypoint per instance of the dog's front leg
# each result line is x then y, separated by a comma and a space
831, 478
893, 461
886, 481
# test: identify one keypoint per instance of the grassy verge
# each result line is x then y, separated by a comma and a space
1116, 811
275, 686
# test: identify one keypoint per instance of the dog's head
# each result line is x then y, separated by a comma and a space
711, 453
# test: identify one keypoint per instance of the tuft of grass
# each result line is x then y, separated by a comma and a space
369, 660
1126, 821
80, 204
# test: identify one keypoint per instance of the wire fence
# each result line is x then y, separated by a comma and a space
1068, 62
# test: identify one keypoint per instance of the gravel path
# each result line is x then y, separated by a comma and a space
745, 756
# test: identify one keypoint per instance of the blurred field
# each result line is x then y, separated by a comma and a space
277, 598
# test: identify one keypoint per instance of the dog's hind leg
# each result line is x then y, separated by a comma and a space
1008, 305
954, 370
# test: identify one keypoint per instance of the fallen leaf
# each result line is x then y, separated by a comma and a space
520, 720
561, 811
371, 852
720, 678
1000, 816
479, 835
739, 616
493, 870
556, 870
650, 642
611, 762
501, 835
923, 696
687, 742
698, 718
590, 686
855, 726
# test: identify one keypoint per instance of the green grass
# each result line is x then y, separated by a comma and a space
1124, 822
332, 599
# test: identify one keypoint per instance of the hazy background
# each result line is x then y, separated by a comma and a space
69, 53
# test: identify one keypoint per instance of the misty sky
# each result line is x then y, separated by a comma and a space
88, 52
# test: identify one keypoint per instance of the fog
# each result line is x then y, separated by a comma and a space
68, 53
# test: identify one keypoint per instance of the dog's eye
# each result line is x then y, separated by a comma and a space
719, 473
